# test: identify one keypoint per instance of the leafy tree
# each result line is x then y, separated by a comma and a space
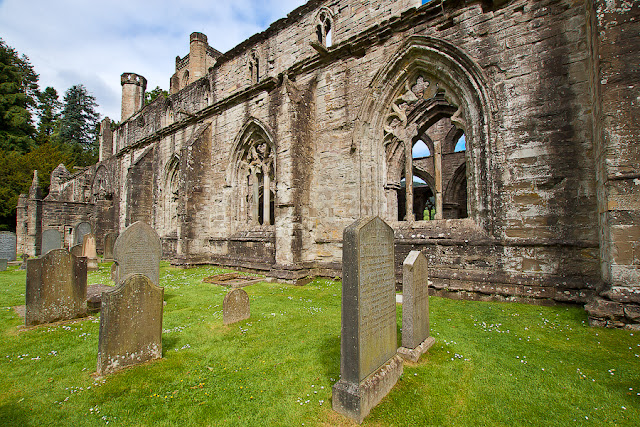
79, 125
48, 112
149, 97
18, 95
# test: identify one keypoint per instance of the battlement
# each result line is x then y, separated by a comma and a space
133, 79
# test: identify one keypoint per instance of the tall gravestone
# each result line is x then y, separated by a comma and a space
89, 251
8, 245
81, 229
369, 364
3, 264
415, 307
109, 241
130, 324
138, 250
51, 239
235, 306
56, 287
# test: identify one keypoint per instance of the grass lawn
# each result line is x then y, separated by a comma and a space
492, 364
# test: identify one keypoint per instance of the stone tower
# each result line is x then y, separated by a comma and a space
197, 56
133, 88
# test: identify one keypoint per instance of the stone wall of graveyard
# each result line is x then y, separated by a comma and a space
551, 173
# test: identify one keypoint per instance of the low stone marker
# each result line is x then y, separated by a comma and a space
8, 244
130, 324
51, 239
369, 363
138, 250
235, 306
109, 241
56, 287
3, 264
89, 251
24, 258
415, 307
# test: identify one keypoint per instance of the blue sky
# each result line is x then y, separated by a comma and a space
91, 42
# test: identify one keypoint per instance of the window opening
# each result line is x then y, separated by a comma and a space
461, 145
324, 30
420, 150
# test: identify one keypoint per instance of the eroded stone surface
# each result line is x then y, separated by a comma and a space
89, 251
137, 250
8, 245
109, 241
369, 331
415, 304
235, 306
130, 324
56, 287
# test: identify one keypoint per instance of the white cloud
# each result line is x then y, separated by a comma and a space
77, 41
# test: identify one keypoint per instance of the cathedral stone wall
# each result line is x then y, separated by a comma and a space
298, 131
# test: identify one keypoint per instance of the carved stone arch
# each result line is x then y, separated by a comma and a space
457, 89
324, 27
451, 140
170, 195
253, 168
455, 196
102, 186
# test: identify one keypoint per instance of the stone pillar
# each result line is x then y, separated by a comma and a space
437, 166
106, 140
34, 217
266, 197
255, 187
197, 56
133, 88
408, 173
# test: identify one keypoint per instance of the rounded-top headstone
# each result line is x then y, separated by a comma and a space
82, 229
235, 306
51, 239
138, 250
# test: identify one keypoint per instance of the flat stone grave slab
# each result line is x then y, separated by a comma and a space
130, 324
56, 287
8, 244
369, 363
232, 280
235, 306
94, 296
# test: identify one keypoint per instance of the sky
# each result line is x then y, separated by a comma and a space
88, 42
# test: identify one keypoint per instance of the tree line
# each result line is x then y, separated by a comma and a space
65, 131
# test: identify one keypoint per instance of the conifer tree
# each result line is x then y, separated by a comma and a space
79, 124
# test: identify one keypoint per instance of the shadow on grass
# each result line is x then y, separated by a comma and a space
330, 356
14, 414
168, 343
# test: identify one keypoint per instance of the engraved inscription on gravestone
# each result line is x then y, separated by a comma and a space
369, 364
8, 245
51, 239
138, 250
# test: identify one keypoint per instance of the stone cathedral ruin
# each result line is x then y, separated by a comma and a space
526, 185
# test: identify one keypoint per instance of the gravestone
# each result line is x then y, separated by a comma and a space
76, 249
56, 287
81, 229
415, 307
130, 324
24, 258
8, 245
51, 239
3, 264
109, 241
138, 250
235, 306
369, 364
89, 251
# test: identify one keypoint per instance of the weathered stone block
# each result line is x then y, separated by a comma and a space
56, 287
130, 324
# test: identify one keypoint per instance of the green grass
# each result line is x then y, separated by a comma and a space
492, 364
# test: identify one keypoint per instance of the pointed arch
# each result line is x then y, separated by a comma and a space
102, 186
426, 80
170, 193
253, 175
